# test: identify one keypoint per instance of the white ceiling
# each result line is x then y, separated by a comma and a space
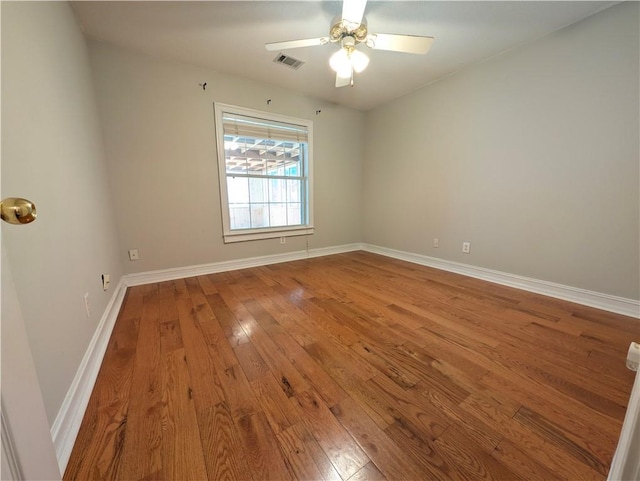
229, 36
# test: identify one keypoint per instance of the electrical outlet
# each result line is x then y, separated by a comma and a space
283, 240
436, 242
466, 247
133, 255
86, 305
106, 280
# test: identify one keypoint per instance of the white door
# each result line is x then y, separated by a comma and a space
27, 448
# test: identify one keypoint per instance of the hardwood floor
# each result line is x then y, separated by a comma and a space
354, 367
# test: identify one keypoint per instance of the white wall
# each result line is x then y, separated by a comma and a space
531, 156
160, 142
52, 154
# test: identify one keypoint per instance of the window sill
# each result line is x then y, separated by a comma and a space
231, 237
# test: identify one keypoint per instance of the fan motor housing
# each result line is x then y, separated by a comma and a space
339, 30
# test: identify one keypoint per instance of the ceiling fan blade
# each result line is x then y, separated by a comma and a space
308, 42
400, 43
352, 13
344, 81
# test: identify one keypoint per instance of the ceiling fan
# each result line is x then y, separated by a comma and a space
350, 30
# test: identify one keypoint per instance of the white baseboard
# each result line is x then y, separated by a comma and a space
607, 302
212, 268
67, 423
626, 460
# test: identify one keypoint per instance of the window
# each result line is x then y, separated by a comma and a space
264, 162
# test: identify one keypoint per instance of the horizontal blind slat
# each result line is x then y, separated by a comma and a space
243, 126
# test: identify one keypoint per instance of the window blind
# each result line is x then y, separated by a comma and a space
243, 126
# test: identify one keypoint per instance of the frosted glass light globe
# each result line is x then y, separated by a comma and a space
359, 61
340, 61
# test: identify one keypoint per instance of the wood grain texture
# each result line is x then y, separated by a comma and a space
203, 373
369, 472
305, 455
221, 444
142, 450
106, 414
342, 450
354, 367
182, 453
390, 458
261, 449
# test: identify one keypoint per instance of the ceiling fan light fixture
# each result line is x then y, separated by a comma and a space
350, 30
340, 61
346, 59
359, 60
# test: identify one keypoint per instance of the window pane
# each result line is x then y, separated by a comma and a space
274, 149
234, 164
258, 190
238, 190
294, 214
292, 169
239, 216
275, 167
277, 190
258, 167
294, 190
259, 215
278, 214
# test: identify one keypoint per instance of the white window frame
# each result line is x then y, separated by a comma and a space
240, 235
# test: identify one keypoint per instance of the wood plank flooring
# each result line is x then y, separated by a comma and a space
354, 367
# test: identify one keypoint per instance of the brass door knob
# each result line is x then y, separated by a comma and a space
15, 210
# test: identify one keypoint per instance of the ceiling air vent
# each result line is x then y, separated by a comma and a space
291, 62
